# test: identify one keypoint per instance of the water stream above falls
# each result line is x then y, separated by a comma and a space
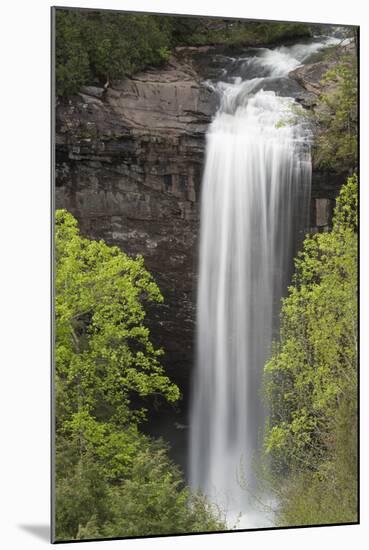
254, 212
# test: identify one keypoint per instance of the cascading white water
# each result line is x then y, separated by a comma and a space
254, 211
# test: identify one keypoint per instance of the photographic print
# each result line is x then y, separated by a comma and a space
205, 227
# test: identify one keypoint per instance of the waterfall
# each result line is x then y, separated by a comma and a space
254, 212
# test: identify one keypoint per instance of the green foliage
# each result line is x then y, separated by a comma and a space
103, 352
72, 68
153, 501
82, 494
328, 495
239, 33
149, 499
102, 46
336, 116
111, 480
347, 207
311, 378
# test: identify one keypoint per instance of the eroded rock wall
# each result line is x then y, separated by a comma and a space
129, 164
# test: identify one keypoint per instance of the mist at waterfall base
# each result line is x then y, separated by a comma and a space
254, 214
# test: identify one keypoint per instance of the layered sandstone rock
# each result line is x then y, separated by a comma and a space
129, 163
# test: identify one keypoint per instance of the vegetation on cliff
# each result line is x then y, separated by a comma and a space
336, 116
111, 480
334, 113
311, 379
96, 47
232, 32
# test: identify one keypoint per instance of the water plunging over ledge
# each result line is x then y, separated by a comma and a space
254, 212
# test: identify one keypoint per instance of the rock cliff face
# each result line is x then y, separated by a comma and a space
129, 164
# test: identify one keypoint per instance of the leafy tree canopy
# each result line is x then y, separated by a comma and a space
103, 354
111, 480
311, 379
100, 46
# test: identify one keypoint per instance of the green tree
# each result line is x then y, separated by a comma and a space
103, 350
311, 379
101, 47
149, 498
72, 67
111, 480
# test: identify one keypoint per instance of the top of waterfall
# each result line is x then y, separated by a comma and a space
265, 69
276, 62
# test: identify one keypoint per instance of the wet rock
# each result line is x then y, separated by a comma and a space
309, 76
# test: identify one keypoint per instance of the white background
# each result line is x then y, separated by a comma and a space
24, 256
